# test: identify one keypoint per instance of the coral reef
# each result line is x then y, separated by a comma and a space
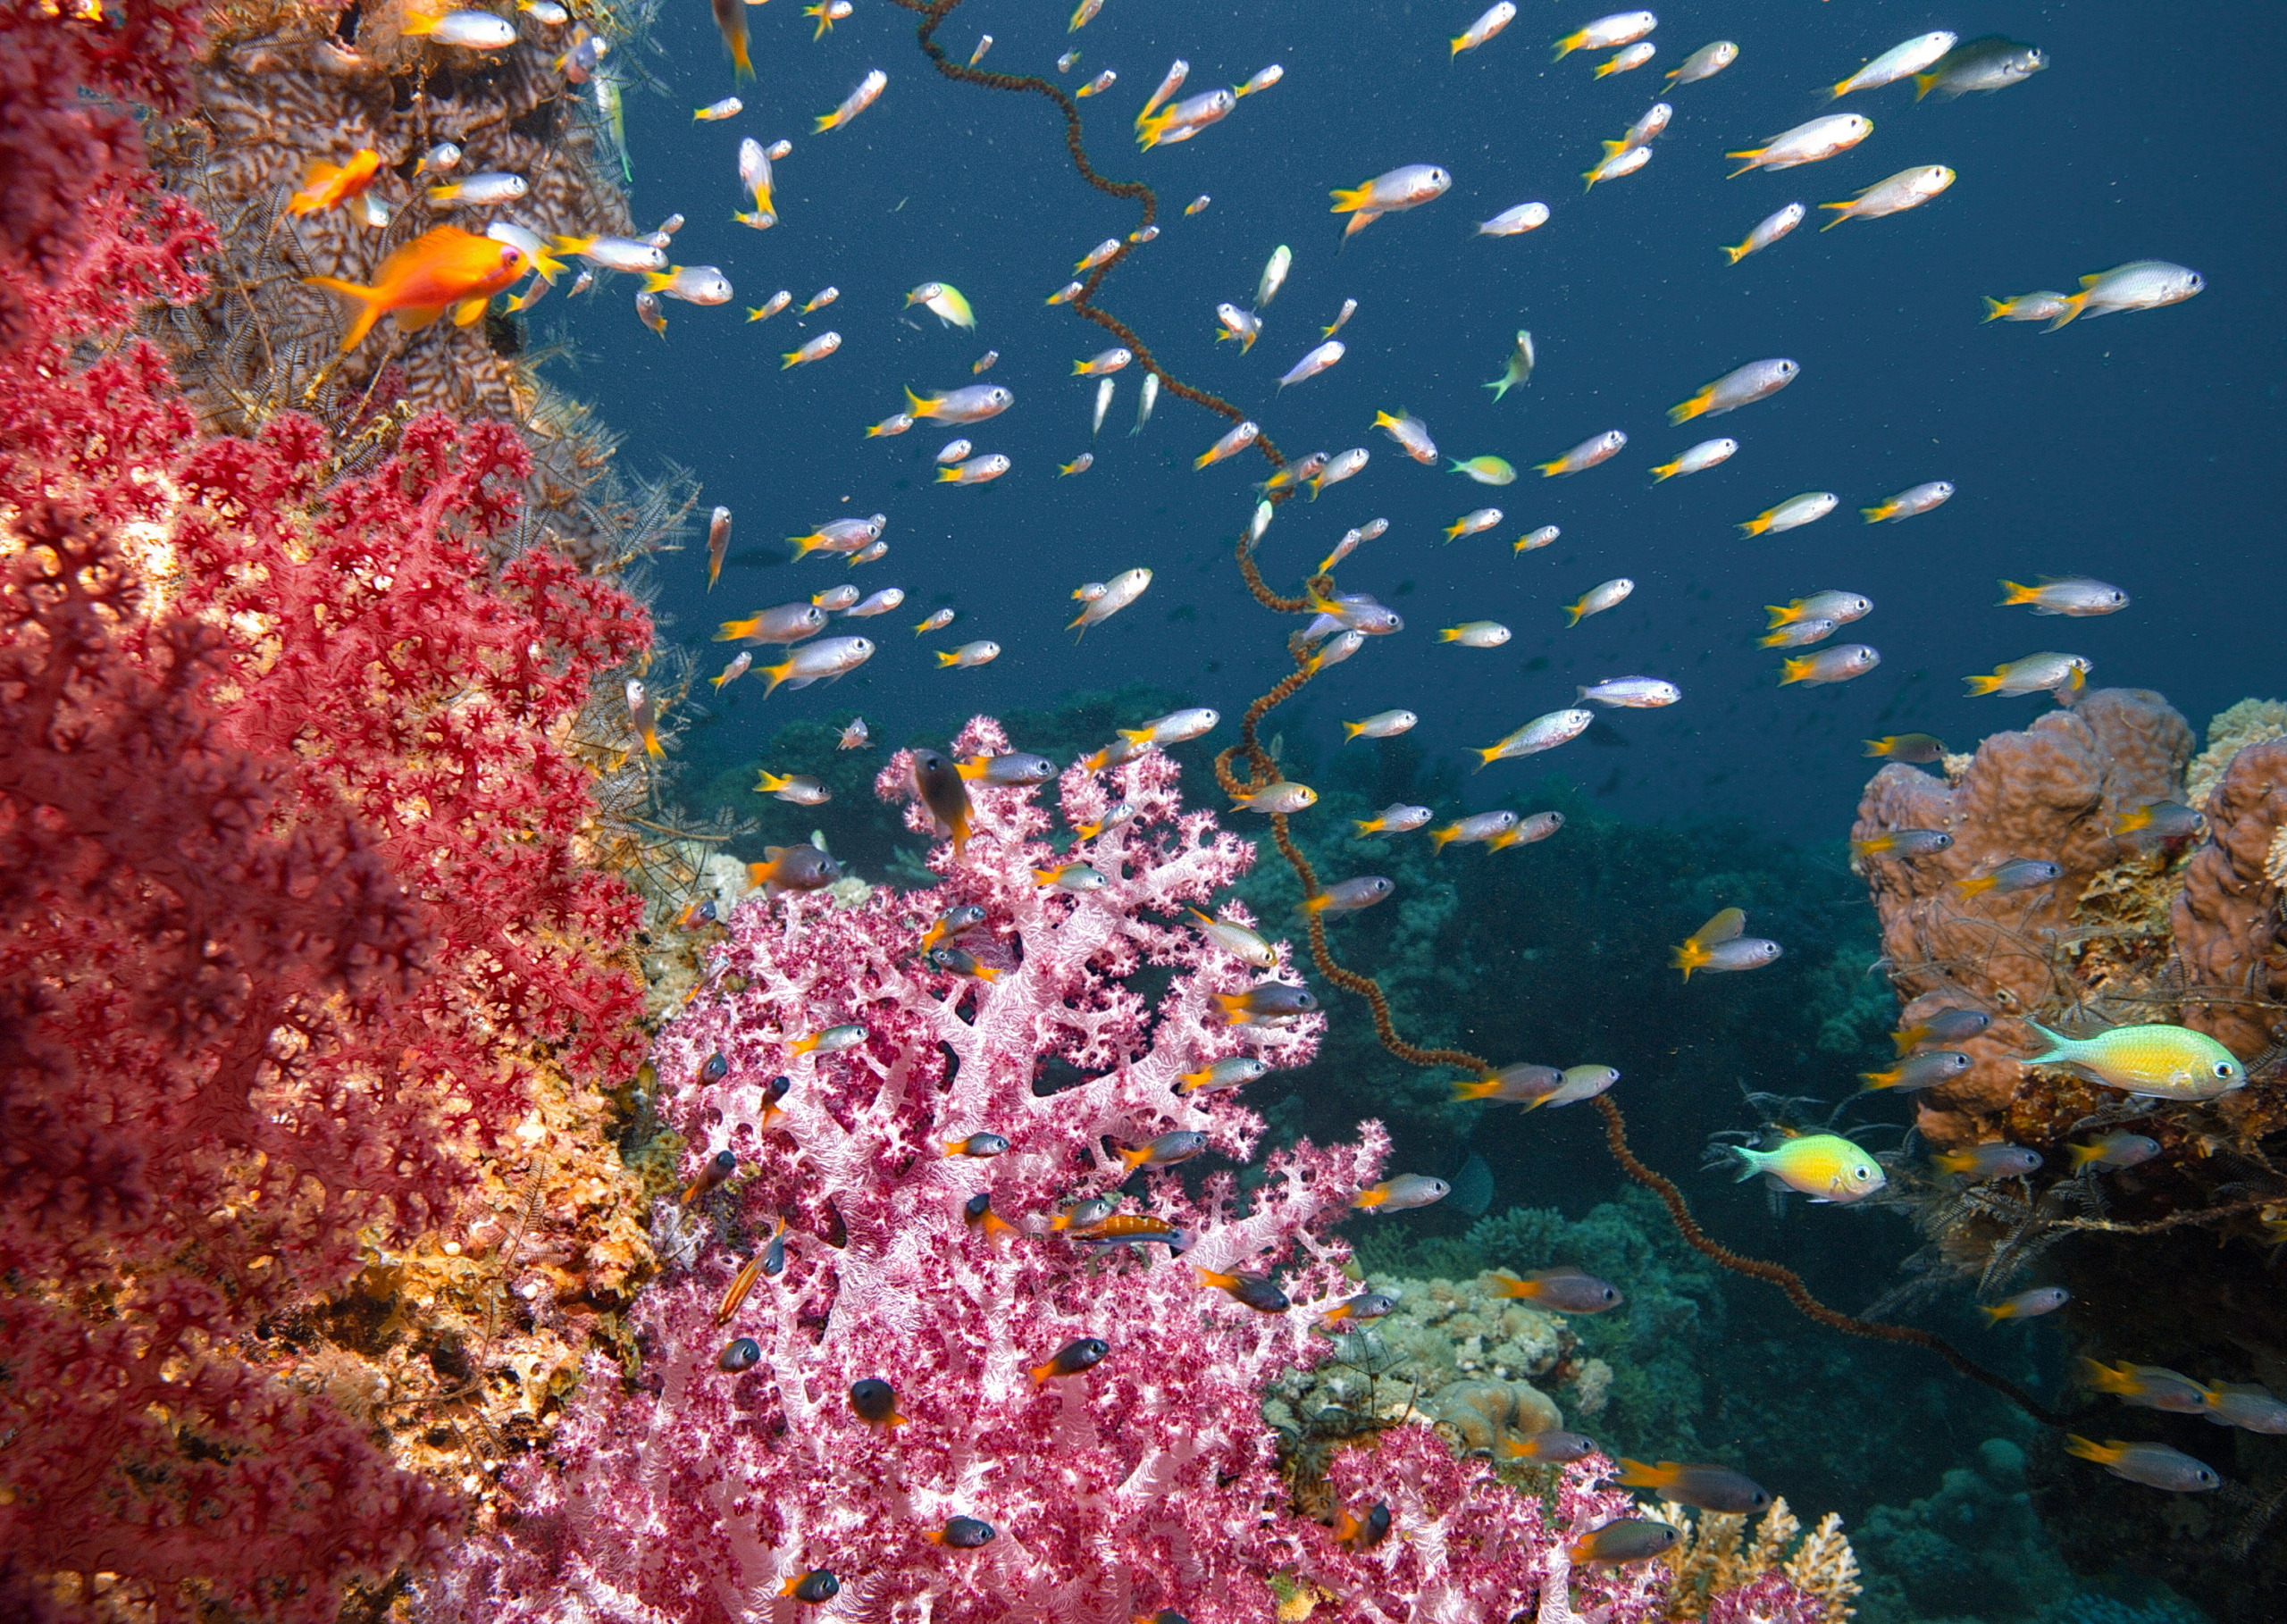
1973, 1548
1142, 1480
1727, 1569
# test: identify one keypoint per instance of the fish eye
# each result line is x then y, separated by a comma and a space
2225, 1069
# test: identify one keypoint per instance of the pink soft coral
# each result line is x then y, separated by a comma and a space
1146, 1481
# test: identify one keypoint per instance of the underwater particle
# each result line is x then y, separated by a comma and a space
1597, 599
869, 89
711, 1174
1837, 664
1824, 1166
1566, 1290
2021, 874
1628, 61
1363, 1533
1239, 1069
1616, 165
1899, 61
1917, 499
1909, 188
1260, 1292
1396, 818
815, 1586
1587, 454
2027, 1305
1711, 1489
1767, 230
1533, 539
1931, 1068
1349, 896
1997, 1159
1620, 28
2154, 1465
1993, 62
875, 1402
1808, 143
802, 868
1389, 193
2156, 1061
1554, 1447
1906, 843
1496, 18
2116, 1149
1279, 798
1080, 1353
739, 1354
962, 1534
1270, 1003
2076, 595
1407, 1190
1705, 63
1918, 750
1631, 1539
1792, 513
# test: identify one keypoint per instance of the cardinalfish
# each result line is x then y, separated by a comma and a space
1363, 1533
977, 1213
1631, 1539
1260, 1292
875, 1402
938, 783
1711, 1489
1165, 1151
834, 1040
1080, 1353
643, 717
1238, 1069
768, 1260
1568, 1291
1273, 1003
1718, 945
445, 268
1402, 1193
953, 922
1358, 1310
962, 962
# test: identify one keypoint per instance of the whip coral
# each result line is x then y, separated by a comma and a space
701, 1487
289, 910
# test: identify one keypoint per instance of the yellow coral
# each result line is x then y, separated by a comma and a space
1717, 1553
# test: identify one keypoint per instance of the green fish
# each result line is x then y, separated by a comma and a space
1824, 1166
1484, 469
1519, 370
2165, 1062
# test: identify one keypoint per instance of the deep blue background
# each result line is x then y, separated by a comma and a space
2143, 448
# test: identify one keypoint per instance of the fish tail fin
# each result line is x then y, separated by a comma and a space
772, 783
1971, 888
1686, 956
416, 21
1881, 1079
1794, 670
1041, 1373
1613, 148
1603, 69
1207, 1276
653, 281
1351, 730
1839, 219
1566, 47
944, 659
948, 475
1574, 613
1318, 904
1868, 847
742, 64
1753, 157
1639, 1474
1877, 513
2089, 1449
1349, 200
1994, 1314
1549, 471
1924, 83
2056, 1042
1787, 615
1755, 526
368, 302
2082, 1155
1465, 1089
1733, 255
777, 674
1995, 309
1439, 839
1982, 685
1905, 1037
1685, 411
2128, 822
2072, 306
2017, 592
1486, 757
1662, 472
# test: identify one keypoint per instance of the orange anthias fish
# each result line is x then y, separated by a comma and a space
330, 185
443, 268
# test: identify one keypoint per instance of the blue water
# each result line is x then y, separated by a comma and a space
2135, 449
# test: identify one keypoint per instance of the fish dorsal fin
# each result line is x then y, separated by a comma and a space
1724, 926
2091, 279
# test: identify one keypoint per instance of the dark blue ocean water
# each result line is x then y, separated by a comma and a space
2142, 448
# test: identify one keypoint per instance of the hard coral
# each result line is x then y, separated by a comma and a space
1147, 1480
